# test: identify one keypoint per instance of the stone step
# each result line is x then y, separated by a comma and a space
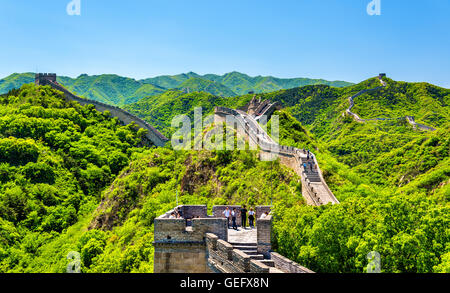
257, 257
268, 263
243, 244
245, 247
275, 271
250, 252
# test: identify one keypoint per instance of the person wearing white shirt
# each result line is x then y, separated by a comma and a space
251, 218
227, 213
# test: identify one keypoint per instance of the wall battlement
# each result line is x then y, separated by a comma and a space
198, 243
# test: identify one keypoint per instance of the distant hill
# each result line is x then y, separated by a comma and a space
242, 84
15, 81
117, 90
197, 84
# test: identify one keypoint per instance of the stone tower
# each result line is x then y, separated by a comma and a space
44, 78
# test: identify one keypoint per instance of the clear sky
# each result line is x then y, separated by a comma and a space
331, 39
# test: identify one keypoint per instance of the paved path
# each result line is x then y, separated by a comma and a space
242, 235
409, 119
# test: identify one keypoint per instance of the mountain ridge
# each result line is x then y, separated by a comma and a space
119, 90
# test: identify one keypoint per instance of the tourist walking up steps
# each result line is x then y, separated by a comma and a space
227, 213
233, 219
244, 217
251, 218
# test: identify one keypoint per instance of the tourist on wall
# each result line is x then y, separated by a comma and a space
244, 217
226, 213
251, 218
233, 219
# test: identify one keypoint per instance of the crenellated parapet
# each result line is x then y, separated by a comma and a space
195, 242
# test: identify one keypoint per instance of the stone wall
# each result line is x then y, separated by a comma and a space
186, 257
180, 244
264, 235
261, 209
190, 212
223, 258
286, 265
126, 118
289, 156
203, 247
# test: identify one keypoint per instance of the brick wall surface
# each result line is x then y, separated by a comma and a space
286, 265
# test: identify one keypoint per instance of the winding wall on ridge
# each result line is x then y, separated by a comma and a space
125, 117
409, 119
314, 188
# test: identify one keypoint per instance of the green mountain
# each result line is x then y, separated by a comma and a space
197, 84
15, 81
108, 88
116, 90
73, 179
242, 83
171, 81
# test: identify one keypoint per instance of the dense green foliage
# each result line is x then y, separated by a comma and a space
58, 159
55, 159
197, 84
161, 109
392, 181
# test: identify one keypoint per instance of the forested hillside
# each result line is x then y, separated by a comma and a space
73, 179
55, 159
395, 202
161, 109
57, 164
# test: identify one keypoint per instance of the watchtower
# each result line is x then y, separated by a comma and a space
381, 75
44, 78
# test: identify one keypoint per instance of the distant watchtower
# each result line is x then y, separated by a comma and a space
44, 78
381, 75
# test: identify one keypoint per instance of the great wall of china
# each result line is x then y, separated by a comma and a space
314, 188
126, 118
201, 243
408, 119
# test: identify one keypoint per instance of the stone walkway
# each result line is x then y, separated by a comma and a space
242, 235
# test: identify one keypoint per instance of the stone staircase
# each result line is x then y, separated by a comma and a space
312, 176
251, 250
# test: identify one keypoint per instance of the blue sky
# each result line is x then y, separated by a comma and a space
331, 39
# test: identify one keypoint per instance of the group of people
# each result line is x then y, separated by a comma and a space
176, 214
310, 161
232, 214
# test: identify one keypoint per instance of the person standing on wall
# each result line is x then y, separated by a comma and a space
233, 219
226, 213
244, 217
251, 218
